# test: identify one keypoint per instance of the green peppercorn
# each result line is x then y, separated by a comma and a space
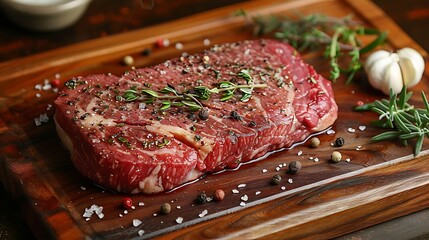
275, 180
165, 208
336, 156
314, 142
294, 166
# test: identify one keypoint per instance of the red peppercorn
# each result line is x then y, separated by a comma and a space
127, 202
359, 103
55, 82
161, 43
219, 195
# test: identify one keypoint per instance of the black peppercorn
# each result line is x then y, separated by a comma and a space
201, 198
339, 142
203, 114
234, 115
294, 166
252, 124
192, 117
275, 180
147, 52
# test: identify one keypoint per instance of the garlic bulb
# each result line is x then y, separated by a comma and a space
388, 70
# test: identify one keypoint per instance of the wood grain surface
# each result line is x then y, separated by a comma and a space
382, 180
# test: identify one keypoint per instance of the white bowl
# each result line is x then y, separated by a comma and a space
44, 15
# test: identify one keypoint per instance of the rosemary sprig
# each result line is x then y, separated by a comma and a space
169, 96
339, 36
407, 121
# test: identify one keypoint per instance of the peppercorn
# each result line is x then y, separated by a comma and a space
201, 198
203, 114
294, 166
146, 52
55, 82
336, 156
127, 203
275, 180
339, 142
234, 115
314, 142
128, 60
165, 208
219, 195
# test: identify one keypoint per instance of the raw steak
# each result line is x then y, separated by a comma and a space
125, 143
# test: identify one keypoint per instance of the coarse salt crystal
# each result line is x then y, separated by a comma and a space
290, 180
242, 185
120, 215
235, 191
330, 131
47, 87
179, 220
351, 130
133, 207
245, 198
125, 212
362, 128
137, 222
38, 87
100, 215
347, 159
283, 188
277, 169
141, 204
83, 188
299, 153
141, 232
242, 204
203, 213
44, 118
264, 170
155, 214
37, 122
38, 95
257, 193
315, 159
178, 207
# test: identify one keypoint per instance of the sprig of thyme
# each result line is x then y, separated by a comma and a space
407, 121
191, 98
339, 36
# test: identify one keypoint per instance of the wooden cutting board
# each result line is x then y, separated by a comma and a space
380, 182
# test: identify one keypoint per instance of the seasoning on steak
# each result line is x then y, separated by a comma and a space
133, 146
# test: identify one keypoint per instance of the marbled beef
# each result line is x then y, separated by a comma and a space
132, 145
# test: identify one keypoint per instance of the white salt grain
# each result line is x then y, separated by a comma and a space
330, 131
140, 232
315, 159
264, 170
235, 191
125, 212
257, 193
362, 128
245, 198
203, 213
299, 153
38, 87
242, 185
277, 169
290, 180
37, 122
137, 222
38, 95
83, 188
347, 159
141, 204
179, 220
351, 130
283, 188
242, 204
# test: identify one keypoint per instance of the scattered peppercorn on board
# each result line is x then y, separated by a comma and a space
373, 182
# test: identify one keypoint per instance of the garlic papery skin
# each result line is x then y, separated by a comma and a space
388, 70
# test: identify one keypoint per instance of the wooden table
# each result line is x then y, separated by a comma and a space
119, 16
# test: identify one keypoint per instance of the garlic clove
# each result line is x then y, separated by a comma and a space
412, 65
375, 57
377, 69
392, 78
